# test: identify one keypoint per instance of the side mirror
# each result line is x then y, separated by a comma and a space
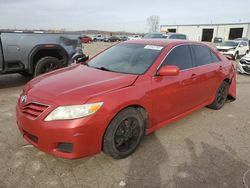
169, 70
83, 58
241, 46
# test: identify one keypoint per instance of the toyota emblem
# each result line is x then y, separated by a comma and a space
23, 99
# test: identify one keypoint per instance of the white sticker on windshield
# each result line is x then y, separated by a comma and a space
152, 47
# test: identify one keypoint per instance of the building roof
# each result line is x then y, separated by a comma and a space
239, 23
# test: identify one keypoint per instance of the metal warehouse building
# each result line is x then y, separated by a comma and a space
207, 32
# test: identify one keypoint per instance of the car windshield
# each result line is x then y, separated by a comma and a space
230, 43
127, 58
154, 35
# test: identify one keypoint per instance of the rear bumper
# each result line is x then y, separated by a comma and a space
85, 135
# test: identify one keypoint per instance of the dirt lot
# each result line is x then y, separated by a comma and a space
207, 149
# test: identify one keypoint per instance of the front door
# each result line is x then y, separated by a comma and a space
174, 95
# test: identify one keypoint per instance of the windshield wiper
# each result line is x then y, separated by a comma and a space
103, 68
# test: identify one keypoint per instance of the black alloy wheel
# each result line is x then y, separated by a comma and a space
124, 133
127, 134
220, 97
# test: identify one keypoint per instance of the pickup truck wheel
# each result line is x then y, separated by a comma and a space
25, 74
124, 133
47, 64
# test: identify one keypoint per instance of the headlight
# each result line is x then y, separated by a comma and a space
232, 49
74, 111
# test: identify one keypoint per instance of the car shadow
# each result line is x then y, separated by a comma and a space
212, 168
13, 80
144, 168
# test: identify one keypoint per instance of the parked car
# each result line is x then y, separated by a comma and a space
135, 37
99, 37
124, 38
86, 39
243, 66
165, 36
112, 39
144, 85
36, 53
233, 48
243, 39
218, 39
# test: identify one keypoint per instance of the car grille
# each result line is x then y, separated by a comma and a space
247, 69
244, 61
33, 110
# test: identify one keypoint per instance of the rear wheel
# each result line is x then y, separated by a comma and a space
124, 133
220, 97
47, 64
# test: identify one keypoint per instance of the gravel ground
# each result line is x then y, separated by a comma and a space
206, 149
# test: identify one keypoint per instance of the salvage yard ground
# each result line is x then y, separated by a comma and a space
206, 149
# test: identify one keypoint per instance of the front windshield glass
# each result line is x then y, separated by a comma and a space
230, 43
127, 58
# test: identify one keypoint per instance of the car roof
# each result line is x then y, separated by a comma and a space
161, 42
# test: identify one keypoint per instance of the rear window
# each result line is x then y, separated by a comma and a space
204, 55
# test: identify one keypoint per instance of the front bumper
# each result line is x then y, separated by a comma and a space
84, 135
243, 68
230, 53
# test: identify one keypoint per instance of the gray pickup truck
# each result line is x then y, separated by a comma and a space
36, 53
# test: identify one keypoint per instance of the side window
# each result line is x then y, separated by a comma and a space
172, 37
179, 56
214, 58
204, 55
181, 37
244, 43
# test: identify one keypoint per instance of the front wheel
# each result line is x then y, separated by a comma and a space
124, 133
236, 56
220, 97
47, 64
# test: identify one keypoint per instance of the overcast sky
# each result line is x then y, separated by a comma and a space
117, 15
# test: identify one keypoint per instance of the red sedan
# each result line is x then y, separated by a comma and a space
86, 39
131, 89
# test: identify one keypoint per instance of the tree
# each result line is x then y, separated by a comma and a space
153, 23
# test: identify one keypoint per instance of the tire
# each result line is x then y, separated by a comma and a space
25, 74
236, 55
220, 97
124, 133
47, 64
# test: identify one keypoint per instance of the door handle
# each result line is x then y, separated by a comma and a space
193, 76
221, 68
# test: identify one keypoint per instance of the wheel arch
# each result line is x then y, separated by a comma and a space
232, 88
44, 50
138, 107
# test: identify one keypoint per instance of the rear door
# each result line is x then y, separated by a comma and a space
1, 55
174, 95
209, 72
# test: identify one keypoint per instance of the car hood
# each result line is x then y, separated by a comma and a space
225, 47
247, 56
75, 84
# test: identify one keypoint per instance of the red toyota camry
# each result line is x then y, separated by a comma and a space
111, 101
